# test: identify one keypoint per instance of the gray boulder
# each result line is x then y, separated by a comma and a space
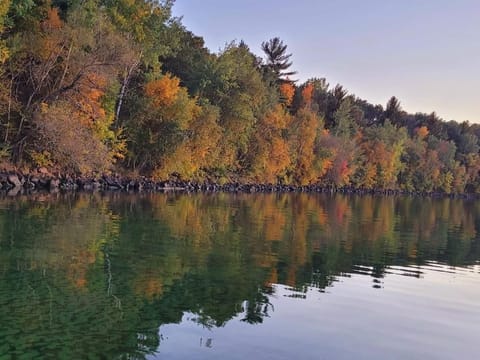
14, 180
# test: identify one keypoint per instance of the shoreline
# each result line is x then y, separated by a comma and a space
14, 183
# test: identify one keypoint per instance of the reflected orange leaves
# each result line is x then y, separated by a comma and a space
277, 233
78, 267
283, 225
148, 285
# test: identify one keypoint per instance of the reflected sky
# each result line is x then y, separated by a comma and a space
406, 319
267, 276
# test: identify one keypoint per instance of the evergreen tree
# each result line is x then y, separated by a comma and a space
278, 61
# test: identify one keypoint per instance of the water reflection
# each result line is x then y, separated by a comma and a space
100, 274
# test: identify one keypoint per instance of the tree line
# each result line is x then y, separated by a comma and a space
92, 86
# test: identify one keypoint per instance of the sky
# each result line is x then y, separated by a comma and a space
424, 52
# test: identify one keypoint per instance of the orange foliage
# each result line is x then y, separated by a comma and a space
276, 119
307, 94
50, 44
422, 132
325, 165
345, 171
88, 99
279, 157
287, 91
53, 21
381, 166
164, 91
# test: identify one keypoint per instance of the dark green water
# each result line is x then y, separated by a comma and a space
238, 276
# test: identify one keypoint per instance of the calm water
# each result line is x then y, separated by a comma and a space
239, 277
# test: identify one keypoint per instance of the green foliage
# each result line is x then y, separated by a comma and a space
192, 63
143, 92
345, 126
239, 91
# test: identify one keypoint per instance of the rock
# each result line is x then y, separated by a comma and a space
35, 180
14, 191
29, 185
112, 183
54, 184
14, 180
43, 183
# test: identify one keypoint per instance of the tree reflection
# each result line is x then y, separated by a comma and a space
100, 274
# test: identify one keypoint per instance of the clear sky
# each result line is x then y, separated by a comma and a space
425, 52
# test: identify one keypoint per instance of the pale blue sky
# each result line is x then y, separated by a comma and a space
425, 52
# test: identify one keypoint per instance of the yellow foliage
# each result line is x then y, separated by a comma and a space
4, 54
302, 147
198, 150
41, 159
270, 155
4, 6
206, 134
179, 161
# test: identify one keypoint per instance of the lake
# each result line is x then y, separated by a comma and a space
224, 276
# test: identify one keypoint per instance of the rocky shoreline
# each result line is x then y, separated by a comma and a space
15, 183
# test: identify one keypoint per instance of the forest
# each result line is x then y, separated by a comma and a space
99, 86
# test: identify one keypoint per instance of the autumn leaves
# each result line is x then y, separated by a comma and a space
105, 85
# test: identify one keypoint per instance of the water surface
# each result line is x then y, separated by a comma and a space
219, 276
